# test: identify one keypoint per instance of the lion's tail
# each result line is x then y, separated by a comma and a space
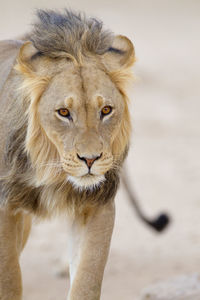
159, 223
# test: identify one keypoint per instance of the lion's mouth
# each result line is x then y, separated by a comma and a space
88, 181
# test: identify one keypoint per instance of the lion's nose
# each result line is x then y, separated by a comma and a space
89, 161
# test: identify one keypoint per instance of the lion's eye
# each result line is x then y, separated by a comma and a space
106, 110
64, 112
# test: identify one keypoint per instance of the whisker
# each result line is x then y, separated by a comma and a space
63, 184
55, 164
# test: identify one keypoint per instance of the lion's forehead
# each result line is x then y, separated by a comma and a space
98, 83
84, 85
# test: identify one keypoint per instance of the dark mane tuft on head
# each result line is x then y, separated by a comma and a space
55, 34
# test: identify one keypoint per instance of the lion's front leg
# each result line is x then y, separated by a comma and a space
89, 247
13, 233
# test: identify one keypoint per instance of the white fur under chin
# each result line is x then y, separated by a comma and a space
87, 182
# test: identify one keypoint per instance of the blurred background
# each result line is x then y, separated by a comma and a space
163, 162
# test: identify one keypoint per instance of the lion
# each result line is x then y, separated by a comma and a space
65, 132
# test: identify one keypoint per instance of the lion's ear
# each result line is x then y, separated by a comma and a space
25, 58
27, 51
120, 55
33, 83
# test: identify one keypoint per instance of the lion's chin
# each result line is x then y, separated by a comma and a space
87, 182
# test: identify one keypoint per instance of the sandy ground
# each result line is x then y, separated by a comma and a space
164, 163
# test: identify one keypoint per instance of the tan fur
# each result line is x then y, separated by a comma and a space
43, 168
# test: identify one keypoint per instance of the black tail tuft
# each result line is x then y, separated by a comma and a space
160, 223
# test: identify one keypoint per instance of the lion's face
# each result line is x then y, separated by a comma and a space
78, 119
81, 112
